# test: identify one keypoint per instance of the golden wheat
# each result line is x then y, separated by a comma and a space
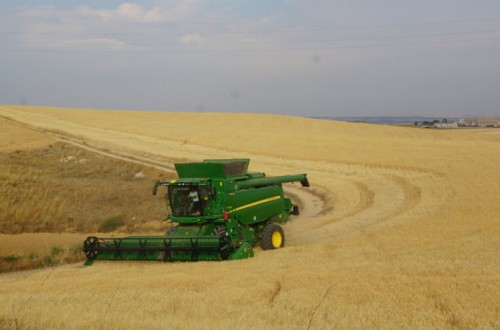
411, 241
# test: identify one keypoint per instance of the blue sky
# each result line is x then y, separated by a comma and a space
307, 58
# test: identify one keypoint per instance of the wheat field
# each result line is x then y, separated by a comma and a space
400, 229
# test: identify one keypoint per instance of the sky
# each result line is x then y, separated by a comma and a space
315, 58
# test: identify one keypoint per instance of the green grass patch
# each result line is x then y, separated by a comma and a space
10, 258
111, 224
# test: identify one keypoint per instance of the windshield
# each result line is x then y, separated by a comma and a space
185, 201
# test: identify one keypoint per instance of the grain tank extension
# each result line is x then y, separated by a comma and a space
221, 211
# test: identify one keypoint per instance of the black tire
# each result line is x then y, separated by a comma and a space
272, 237
295, 210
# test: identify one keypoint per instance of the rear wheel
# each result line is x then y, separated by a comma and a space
272, 237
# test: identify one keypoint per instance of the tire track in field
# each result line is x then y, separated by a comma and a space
395, 195
381, 199
412, 196
366, 198
81, 143
313, 201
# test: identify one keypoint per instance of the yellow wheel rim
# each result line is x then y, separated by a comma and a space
276, 239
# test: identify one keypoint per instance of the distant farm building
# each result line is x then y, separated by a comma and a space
445, 125
469, 122
479, 122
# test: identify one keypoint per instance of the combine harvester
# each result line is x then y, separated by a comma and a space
221, 211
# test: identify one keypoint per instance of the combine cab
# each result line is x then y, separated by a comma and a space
221, 212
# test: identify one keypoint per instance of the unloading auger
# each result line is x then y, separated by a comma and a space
221, 211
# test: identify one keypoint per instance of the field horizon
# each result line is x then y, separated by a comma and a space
400, 229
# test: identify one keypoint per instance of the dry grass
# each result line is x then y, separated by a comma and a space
412, 240
62, 188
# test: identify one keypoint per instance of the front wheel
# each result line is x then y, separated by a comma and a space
272, 237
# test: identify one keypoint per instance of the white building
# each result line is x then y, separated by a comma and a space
446, 125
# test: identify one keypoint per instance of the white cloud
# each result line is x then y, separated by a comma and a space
49, 27
109, 43
131, 12
125, 12
190, 39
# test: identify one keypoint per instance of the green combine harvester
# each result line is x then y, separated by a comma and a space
221, 212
